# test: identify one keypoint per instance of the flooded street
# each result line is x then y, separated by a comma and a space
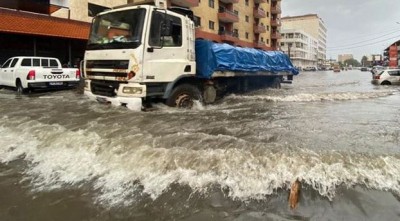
63, 157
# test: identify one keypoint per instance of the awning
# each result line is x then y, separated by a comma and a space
43, 25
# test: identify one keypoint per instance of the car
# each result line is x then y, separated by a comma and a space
363, 69
387, 77
28, 73
310, 69
336, 69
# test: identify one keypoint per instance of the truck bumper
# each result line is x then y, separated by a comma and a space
124, 96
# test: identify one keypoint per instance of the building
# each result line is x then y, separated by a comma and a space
343, 57
312, 25
301, 47
391, 55
60, 28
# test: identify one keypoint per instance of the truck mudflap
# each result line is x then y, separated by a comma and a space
132, 103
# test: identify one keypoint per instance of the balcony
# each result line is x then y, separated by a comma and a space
275, 0
228, 36
227, 16
261, 45
186, 3
259, 29
259, 13
276, 10
260, 1
275, 22
229, 1
276, 35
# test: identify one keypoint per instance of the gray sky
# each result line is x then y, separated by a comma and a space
369, 25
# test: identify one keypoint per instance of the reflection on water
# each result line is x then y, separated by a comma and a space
336, 133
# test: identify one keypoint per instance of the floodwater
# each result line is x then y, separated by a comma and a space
63, 157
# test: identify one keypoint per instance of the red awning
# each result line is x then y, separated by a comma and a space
43, 25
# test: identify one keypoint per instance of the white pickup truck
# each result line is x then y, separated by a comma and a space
28, 73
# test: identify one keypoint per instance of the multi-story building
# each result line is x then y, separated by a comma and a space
60, 28
301, 47
314, 26
343, 57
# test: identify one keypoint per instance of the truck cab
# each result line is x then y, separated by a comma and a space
136, 52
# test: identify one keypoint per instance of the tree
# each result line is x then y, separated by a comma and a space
364, 61
353, 62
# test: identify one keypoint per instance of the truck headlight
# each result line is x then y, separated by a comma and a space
132, 90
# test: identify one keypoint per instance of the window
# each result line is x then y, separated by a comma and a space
267, 41
26, 62
173, 34
45, 63
262, 39
247, 2
282, 44
235, 33
267, 26
211, 25
36, 62
267, 14
247, 18
247, 35
236, 12
197, 21
53, 63
14, 62
211, 3
7, 64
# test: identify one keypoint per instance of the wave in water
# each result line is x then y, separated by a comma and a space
122, 169
314, 97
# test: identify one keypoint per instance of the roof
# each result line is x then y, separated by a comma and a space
300, 16
42, 25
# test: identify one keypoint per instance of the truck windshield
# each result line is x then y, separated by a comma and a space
117, 30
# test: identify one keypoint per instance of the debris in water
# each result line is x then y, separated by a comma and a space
294, 194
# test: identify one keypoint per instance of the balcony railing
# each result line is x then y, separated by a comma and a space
275, 22
259, 29
227, 16
186, 3
230, 1
276, 10
259, 13
228, 36
276, 35
260, 1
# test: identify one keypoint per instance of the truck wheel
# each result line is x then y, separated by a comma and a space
183, 96
275, 83
20, 88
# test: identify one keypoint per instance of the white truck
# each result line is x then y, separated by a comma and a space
29, 73
140, 53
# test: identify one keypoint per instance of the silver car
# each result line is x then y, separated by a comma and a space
387, 77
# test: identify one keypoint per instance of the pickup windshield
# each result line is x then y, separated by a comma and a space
117, 30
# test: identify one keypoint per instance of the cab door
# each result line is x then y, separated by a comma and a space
165, 54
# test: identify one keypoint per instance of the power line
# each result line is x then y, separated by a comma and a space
398, 37
367, 35
346, 45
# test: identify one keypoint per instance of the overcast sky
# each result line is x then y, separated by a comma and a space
358, 27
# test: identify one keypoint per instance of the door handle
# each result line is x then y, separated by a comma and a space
150, 49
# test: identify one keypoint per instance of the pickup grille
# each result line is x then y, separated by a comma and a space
104, 88
106, 74
107, 64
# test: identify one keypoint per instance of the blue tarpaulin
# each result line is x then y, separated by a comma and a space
211, 57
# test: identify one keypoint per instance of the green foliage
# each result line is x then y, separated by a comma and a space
353, 62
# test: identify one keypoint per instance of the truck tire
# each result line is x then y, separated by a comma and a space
20, 88
183, 96
275, 83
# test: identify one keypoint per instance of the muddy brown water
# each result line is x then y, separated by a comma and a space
63, 157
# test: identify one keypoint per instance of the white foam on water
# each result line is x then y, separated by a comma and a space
122, 171
314, 97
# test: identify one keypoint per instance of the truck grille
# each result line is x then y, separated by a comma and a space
107, 64
104, 88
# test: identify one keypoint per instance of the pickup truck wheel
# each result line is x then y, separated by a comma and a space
183, 96
20, 88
